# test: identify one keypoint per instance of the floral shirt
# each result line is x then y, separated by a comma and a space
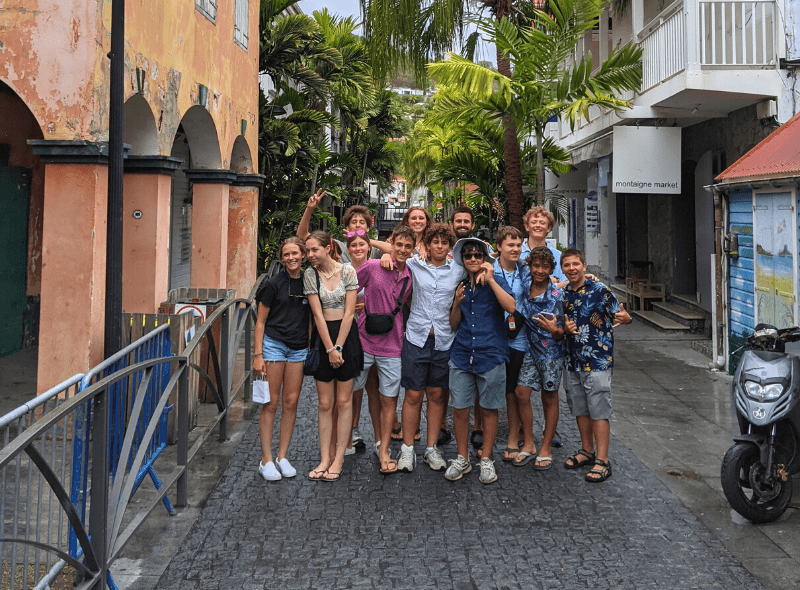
592, 308
541, 344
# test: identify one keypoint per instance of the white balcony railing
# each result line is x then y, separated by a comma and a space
737, 33
664, 47
731, 33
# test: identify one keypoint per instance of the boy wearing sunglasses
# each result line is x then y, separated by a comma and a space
478, 355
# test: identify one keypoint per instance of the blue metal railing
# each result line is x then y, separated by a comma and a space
156, 344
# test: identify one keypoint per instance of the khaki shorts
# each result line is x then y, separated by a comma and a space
589, 394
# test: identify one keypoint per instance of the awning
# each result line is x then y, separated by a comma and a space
597, 148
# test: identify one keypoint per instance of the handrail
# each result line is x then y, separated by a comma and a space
121, 354
39, 400
657, 20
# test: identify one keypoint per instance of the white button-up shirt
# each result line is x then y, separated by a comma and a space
434, 288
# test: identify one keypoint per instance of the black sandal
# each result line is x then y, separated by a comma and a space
576, 464
604, 473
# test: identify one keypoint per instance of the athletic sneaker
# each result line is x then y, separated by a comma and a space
458, 469
407, 460
434, 458
488, 474
286, 468
269, 471
349, 451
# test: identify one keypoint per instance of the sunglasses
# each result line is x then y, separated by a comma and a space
358, 232
301, 296
471, 255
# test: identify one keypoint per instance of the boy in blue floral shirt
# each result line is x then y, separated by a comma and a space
591, 314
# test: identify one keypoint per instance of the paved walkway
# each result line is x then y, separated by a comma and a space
528, 530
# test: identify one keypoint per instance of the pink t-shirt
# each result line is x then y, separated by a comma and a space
381, 291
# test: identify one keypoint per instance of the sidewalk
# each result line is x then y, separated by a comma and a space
676, 416
529, 530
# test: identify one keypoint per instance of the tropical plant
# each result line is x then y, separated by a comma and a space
546, 82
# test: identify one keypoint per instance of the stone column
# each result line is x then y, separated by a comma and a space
145, 246
243, 233
72, 322
210, 197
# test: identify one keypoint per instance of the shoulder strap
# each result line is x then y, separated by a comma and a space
316, 272
396, 310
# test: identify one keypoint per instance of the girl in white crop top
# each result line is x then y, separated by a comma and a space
341, 357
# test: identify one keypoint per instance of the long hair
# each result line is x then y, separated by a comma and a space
428, 220
324, 239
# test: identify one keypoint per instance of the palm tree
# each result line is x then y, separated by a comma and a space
546, 80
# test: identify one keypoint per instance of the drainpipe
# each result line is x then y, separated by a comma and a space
719, 326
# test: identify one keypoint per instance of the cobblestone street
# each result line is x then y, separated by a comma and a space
528, 530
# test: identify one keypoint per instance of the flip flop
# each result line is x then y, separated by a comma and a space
538, 467
397, 433
331, 479
526, 458
319, 477
389, 471
506, 452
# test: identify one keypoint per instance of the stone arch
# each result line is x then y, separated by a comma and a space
201, 134
22, 203
140, 127
241, 161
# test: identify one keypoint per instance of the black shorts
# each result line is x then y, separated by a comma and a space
424, 367
513, 366
352, 354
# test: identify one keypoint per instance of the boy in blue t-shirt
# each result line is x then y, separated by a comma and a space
591, 314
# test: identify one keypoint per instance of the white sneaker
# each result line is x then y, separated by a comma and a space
269, 471
458, 469
434, 458
358, 440
377, 448
349, 451
488, 474
286, 468
407, 460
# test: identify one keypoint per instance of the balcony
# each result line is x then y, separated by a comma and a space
700, 59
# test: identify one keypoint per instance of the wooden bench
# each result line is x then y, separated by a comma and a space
638, 292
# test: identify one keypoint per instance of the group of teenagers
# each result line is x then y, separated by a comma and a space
441, 314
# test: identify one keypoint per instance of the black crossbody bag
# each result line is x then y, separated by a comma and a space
311, 364
380, 324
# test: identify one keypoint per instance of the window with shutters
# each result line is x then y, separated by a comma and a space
207, 8
240, 23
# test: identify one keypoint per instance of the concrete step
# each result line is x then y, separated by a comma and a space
660, 322
693, 320
704, 346
689, 302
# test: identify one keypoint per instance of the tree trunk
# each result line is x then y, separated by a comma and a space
539, 169
516, 201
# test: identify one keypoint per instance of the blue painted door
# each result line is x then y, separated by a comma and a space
774, 222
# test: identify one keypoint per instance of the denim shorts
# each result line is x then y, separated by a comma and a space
424, 367
589, 394
277, 352
388, 374
544, 374
486, 389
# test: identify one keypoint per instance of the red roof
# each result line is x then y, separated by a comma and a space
776, 156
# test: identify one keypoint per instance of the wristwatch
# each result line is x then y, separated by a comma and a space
338, 348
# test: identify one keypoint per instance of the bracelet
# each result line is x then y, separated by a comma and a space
260, 352
330, 350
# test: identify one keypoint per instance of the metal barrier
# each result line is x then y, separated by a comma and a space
29, 500
40, 453
155, 344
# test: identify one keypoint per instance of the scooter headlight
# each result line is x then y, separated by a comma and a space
762, 393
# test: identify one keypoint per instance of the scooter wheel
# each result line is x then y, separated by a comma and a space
742, 481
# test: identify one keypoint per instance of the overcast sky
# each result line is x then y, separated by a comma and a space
351, 7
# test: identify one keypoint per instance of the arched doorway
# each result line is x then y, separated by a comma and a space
197, 145
139, 129
22, 203
241, 161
